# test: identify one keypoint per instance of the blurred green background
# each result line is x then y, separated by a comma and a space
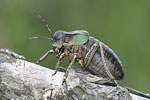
123, 25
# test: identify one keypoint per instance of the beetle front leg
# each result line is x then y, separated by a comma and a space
44, 56
58, 63
69, 67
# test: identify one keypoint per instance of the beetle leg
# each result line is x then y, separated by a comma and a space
105, 66
44, 56
90, 54
69, 67
58, 63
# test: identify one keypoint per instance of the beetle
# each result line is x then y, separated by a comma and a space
86, 51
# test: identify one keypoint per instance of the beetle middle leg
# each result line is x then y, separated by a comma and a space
69, 67
58, 63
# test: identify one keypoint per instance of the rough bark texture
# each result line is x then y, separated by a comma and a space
23, 80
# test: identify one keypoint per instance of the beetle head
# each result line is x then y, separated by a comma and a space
58, 41
62, 38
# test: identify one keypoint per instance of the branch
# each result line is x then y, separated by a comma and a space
23, 80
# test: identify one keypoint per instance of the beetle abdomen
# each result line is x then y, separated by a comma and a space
112, 61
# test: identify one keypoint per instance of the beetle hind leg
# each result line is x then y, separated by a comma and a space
90, 55
105, 66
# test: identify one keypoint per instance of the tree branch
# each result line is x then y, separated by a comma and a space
23, 80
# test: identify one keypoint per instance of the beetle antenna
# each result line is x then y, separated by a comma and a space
46, 24
40, 38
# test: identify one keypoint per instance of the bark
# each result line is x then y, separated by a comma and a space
23, 80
